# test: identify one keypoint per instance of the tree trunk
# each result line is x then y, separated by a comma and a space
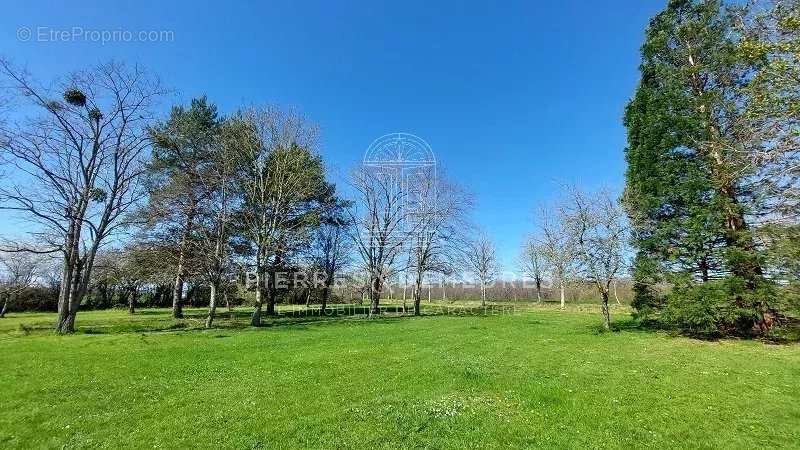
325, 293
255, 319
375, 294
271, 295
132, 301
177, 294
417, 300
606, 313
616, 297
212, 305
66, 321
539, 291
68, 308
417, 294
483, 294
736, 228
66, 317
405, 286
561, 286
5, 306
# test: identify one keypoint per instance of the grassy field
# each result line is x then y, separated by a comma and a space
532, 378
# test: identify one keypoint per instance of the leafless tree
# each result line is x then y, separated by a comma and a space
438, 220
78, 163
598, 228
331, 248
532, 264
378, 232
17, 272
557, 250
479, 256
122, 272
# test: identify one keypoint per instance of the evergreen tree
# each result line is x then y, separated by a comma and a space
182, 159
687, 187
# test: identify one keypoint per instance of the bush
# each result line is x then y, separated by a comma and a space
35, 299
721, 307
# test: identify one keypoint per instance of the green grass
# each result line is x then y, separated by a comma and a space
536, 378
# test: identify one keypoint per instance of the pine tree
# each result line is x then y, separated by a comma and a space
183, 150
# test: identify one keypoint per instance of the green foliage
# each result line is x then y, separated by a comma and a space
689, 187
183, 143
184, 152
706, 309
670, 195
646, 275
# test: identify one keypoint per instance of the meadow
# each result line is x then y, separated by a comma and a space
521, 378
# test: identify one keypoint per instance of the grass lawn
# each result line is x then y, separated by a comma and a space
535, 378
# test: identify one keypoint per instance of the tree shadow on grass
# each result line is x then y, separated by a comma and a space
239, 319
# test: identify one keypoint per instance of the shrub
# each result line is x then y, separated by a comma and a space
720, 307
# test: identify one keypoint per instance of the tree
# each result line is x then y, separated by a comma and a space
181, 167
330, 250
438, 220
121, 273
769, 47
378, 232
283, 186
598, 228
18, 271
532, 263
78, 162
481, 261
712, 150
557, 250
215, 213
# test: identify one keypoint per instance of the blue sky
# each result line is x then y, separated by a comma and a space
514, 98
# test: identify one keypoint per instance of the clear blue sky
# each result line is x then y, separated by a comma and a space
512, 97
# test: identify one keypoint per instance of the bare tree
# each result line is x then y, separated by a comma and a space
557, 250
378, 229
282, 186
17, 272
78, 164
597, 224
532, 263
331, 250
438, 219
480, 260
121, 273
